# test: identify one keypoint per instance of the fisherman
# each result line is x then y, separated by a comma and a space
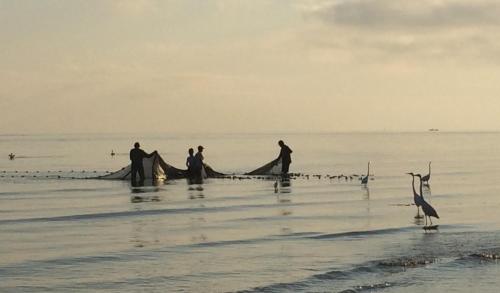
190, 164
198, 164
12, 156
136, 156
285, 157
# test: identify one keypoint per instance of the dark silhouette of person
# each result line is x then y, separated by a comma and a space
285, 157
190, 164
136, 156
198, 164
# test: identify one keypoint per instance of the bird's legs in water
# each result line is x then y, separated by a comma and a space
418, 216
425, 220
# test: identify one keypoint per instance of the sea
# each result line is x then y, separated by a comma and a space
63, 230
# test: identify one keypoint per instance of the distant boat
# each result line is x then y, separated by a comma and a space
433, 129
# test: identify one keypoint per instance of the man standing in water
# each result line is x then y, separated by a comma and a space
285, 157
190, 164
198, 164
136, 156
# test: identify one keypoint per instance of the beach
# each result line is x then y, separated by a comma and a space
60, 232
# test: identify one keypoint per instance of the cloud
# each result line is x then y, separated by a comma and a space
414, 32
397, 14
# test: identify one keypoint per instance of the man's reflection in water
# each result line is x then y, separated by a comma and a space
141, 193
195, 192
282, 186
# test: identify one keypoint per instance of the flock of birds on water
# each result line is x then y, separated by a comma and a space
419, 200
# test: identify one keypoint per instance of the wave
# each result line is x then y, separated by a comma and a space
32, 267
356, 234
367, 276
111, 215
384, 270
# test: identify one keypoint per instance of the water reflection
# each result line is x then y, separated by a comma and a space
140, 193
144, 198
418, 220
286, 230
282, 186
285, 212
195, 192
150, 185
285, 186
366, 189
196, 229
199, 238
366, 199
144, 231
426, 189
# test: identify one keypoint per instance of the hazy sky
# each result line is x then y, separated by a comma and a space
248, 66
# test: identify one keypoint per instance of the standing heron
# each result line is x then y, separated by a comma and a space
364, 180
427, 177
416, 197
429, 211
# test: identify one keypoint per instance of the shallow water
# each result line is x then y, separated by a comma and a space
317, 235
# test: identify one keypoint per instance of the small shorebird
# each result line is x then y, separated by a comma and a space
427, 177
364, 180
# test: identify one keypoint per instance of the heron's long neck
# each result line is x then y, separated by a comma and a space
368, 172
429, 168
421, 193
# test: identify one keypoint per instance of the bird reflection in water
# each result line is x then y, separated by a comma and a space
366, 198
427, 189
366, 190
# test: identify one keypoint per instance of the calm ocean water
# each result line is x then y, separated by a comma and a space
317, 235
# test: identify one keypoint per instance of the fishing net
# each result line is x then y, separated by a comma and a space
271, 168
156, 168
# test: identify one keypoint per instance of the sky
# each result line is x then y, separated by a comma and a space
248, 66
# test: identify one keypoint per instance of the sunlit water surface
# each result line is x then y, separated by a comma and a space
317, 235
